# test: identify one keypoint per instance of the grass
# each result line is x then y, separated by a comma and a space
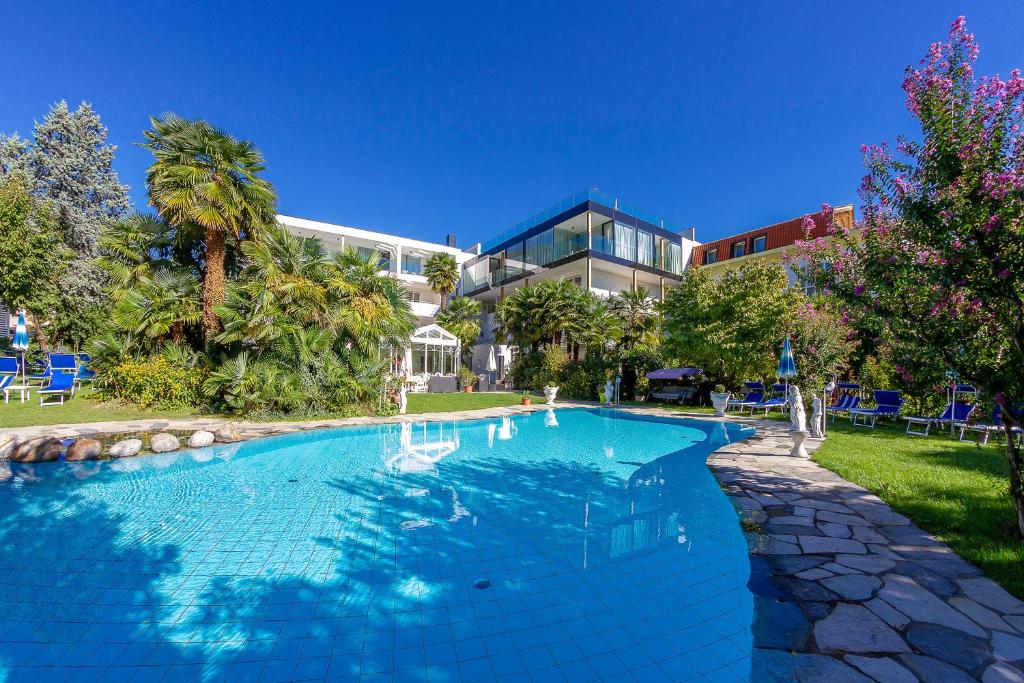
957, 491
443, 403
80, 408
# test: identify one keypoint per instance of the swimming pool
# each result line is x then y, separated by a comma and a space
558, 545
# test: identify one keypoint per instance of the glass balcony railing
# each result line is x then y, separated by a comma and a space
568, 203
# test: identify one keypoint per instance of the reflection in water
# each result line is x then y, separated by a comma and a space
420, 447
367, 543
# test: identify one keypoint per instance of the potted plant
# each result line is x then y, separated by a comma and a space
720, 399
526, 398
467, 379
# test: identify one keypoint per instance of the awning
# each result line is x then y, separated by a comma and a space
674, 373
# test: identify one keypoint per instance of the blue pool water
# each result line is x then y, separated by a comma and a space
607, 550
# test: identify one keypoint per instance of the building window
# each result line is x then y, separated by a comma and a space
710, 256
412, 265
760, 243
578, 281
738, 249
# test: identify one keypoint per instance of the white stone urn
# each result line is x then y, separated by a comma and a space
799, 436
550, 393
720, 401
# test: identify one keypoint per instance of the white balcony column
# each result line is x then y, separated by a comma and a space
398, 259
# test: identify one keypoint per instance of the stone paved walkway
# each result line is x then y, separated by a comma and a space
846, 590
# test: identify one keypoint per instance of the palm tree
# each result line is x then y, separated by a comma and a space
638, 318
462, 318
201, 175
442, 273
159, 306
372, 309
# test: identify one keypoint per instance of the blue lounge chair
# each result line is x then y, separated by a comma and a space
888, 403
956, 413
778, 400
8, 365
84, 374
5, 386
994, 427
56, 362
753, 393
61, 384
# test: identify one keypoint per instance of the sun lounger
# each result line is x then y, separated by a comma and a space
61, 384
956, 413
888, 403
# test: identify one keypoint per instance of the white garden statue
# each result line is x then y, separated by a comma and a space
403, 399
609, 392
817, 418
797, 414
798, 423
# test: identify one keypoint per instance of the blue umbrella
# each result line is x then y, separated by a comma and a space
20, 342
787, 365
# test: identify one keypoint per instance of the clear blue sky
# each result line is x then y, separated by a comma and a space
425, 118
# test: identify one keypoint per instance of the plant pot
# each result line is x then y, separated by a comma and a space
550, 393
720, 402
526, 400
468, 389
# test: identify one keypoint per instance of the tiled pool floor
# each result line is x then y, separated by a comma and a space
356, 554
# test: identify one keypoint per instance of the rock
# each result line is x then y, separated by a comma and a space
84, 449
853, 586
803, 590
982, 616
793, 565
931, 670
6, 444
949, 645
814, 574
837, 568
1008, 648
920, 605
853, 628
200, 439
992, 595
882, 669
794, 520
825, 544
821, 505
938, 559
887, 613
803, 512
1016, 621
835, 530
1001, 672
909, 534
164, 443
872, 564
866, 535
776, 666
226, 433
39, 449
926, 578
126, 448
847, 520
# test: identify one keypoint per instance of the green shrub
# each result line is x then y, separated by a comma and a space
153, 383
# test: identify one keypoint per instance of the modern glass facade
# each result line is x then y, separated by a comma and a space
534, 253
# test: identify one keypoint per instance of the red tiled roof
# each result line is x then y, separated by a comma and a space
778, 235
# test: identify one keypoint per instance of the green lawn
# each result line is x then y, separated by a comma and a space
81, 408
441, 403
956, 490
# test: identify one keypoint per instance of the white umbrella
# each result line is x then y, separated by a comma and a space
492, 362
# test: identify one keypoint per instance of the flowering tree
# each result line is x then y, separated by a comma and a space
937, 262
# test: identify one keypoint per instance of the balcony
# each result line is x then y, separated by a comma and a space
424, 309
